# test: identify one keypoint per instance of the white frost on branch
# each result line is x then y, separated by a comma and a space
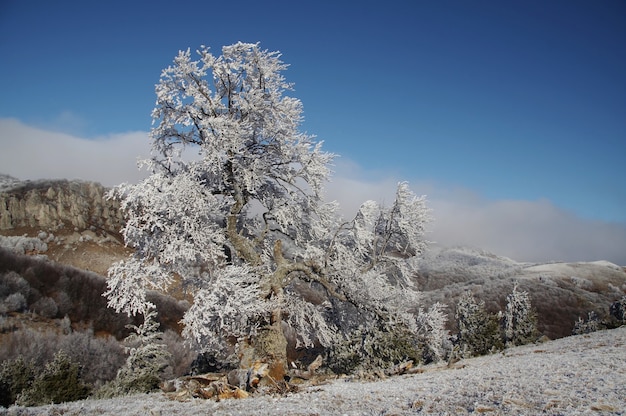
309, 322
129, 280
431, 327
230, 306
239, 222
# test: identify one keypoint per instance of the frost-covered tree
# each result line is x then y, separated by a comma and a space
147, 358
478, 330
592, 324
520, 321
433, 335
234, 209
617, 310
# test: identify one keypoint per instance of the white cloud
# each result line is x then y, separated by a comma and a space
350, 186
522, 230
526, 230
33, 153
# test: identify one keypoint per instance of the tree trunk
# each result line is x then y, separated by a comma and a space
270, 346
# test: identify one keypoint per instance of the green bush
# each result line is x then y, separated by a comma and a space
59, 382
15, 376
374, 349
479, 331
129, 382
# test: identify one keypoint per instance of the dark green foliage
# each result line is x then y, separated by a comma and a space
479, 331
129, 383
59, 382
15, 376
617, 311
592, 324
376, 349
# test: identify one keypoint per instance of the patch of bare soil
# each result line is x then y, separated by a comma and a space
86, 249
92, 256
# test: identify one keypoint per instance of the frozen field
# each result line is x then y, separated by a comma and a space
576, 375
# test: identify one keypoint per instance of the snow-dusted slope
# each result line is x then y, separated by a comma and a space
441, 267
574, 375
8, 182
560, 292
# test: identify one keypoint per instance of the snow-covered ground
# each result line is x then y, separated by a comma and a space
578, 375
8, 182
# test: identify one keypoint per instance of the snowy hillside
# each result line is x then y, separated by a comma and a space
575, 375
560, 292
8, 182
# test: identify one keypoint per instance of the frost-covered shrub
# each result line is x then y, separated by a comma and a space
148, 357
66, 325
369, 349
59, 382
520, 321
100, 357
45, 307
181, 355
15, 376
37, 347
592, 324
479, 331
15, 302
64, 303
582, 282
433, 337
23, 244
11, 282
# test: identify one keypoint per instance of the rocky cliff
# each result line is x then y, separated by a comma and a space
69, 222
53, 205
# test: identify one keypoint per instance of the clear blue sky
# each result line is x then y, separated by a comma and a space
513, 100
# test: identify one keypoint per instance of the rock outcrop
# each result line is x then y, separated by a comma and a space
52, 205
